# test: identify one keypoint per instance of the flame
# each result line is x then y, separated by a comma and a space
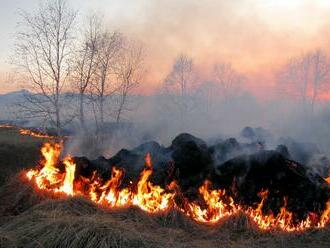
35, 134
215, 204
216, 209
327, 179
283, 221
70, 168
6, 126
49, 175
149, 197
29, 132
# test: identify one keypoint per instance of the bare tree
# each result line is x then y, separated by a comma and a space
181, 76
320, 74
305, 76
208, 94
227, 79
293, 77
86, 63
179, 83
104, 84
43, 55
129, 70
178, 94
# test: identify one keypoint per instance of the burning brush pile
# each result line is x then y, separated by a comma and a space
207, 183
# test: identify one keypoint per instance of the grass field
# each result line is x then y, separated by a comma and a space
34, 219
16, 152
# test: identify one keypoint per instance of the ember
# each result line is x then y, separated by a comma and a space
61, 178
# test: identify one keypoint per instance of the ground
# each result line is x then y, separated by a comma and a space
17, 152
34, 219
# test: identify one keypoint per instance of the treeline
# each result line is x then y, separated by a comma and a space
56, 54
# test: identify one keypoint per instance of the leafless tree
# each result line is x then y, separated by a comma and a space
227, 79
179, 83
178, 96
181, 76
320, 74
129, 70
104, 85
86, 63
208, 95
305, 76
43, 55
293, 77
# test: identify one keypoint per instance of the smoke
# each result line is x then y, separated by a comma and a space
255, 36
157, 119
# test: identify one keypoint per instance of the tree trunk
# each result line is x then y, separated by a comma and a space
58, 121
81, 112
101, 112
313, 101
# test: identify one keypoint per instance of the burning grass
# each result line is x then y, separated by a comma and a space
30, 217
151, 198
28, 132
76, 222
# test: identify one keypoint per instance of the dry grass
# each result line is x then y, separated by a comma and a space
76, 222
16, 152
32, 219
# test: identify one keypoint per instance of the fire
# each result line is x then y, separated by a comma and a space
49, 175
28, 132
216, 209
327, 180
283, 221
149, 197
35, 134
70, 168
109, 193
215, 206
6, 126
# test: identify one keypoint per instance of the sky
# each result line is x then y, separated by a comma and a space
256, 36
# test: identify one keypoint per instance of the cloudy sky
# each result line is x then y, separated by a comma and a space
256, 36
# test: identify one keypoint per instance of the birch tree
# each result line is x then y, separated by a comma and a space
43, 55
86, 63
227, 79
305, 77
179, 82
129, 70
104, 85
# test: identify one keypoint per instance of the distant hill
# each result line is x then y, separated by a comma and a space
7, 104
12, 97
141, 104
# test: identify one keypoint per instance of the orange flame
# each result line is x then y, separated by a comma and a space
28, 132
35, 134
6, 126
327, 179
283, 221
154, 199
149, 197
216, 209
70, 168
